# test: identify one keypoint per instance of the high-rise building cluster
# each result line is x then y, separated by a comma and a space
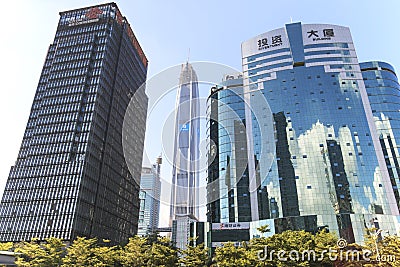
304, 138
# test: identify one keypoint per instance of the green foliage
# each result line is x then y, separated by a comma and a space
385, 250
230, 256
264, 229
163, 253
47, 254
194, 256
135, 253
86, 252
298, 247
157, 251
7, 246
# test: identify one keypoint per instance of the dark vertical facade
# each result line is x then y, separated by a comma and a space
70, 178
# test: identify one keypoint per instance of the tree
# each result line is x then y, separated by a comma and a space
292, 248
385, 250
6, 246
163, 253
106, 255
135, 253
86, 252
230, 256
35, 254
264, 229
194, 256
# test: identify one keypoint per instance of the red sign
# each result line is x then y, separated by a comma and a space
93, 13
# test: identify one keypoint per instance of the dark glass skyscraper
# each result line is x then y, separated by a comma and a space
70, 178
314, 153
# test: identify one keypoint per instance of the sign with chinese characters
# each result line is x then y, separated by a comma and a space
325, 33
265, 43
268, 41
231, 226
90, 16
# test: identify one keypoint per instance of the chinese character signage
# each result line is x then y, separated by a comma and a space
265, 43
273, 40
325, 33
231, 226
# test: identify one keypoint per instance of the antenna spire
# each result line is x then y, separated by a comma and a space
188, 56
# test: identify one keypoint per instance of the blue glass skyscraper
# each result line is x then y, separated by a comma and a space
314, 155
383, 91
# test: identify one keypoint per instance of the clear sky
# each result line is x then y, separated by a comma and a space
213, 30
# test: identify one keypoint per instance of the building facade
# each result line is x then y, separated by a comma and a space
184, 196
314, 156
150, 189
70, 178
383, 91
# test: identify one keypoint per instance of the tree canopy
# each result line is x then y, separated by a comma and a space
290, 248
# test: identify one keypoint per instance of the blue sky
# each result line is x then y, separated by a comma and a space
213, 30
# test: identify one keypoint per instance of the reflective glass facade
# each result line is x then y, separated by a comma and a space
383, 91
186, 145
314, 154
150, 189
185, 180
70, 178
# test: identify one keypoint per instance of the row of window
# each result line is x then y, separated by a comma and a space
82, 30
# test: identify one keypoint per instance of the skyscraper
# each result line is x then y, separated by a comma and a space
228, 208
184, 195
383, 91
70, 178
150, 189
314, 156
